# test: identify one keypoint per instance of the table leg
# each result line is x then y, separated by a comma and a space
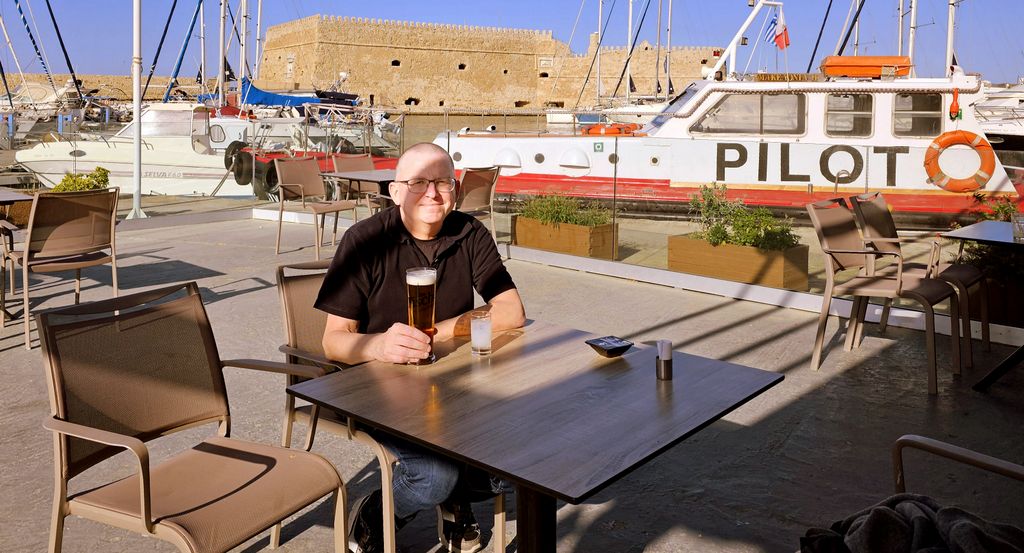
1002, 368
535, 521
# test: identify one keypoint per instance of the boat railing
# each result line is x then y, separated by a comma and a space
1000, 114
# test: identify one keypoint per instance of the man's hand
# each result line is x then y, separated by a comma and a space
401, 344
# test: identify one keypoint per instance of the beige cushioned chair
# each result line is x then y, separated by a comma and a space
844, 250
124, 371
299, 179
67, 231
476, 194
304, 325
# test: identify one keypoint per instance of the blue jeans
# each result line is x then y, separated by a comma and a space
423, 479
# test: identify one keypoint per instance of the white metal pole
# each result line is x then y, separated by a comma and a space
668, 49
657, 56
243, 19
13, 55
202, 43
629, 48
949, 37
136, 212
856, 37
600, 22
913, 32
259, 39
899, 35
221, 88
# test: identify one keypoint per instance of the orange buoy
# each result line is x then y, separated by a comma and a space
954, 138
611, 129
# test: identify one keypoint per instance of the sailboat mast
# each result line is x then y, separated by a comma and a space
949, 37
600, 22
10, 47
899, 35
202, 43
259, 39
629, 48
856, 32
657, 57
242, 40
668, 52
221, 59
913, 32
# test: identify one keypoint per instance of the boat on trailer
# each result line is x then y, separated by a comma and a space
863, 124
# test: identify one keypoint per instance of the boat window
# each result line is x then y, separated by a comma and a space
755, 114
917, 115
677, 104
848, 115
166, 123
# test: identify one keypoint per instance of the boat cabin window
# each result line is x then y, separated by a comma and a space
755, 114
156, 123
917, 115
848, 115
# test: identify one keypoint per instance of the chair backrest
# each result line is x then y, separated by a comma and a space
352, 162
476, 191
875, 220
143, 365
72, 223
837, 230
300, 170
299, 284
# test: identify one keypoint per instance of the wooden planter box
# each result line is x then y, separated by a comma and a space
779, 269
599, 241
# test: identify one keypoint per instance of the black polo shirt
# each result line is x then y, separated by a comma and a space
366, 280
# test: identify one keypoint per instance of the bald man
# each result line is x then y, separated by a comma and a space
364, 295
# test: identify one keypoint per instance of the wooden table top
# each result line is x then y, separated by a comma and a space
986, 232
8, 195
376, 175
544, 410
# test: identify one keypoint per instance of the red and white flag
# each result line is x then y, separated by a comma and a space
781, 33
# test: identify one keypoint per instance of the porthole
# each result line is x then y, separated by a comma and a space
655, 160
457, 156
613, 158
539, 158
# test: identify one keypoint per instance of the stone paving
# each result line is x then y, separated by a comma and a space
809, 451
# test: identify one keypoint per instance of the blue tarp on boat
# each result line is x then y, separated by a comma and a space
253, 95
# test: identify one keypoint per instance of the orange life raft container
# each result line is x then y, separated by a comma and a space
611, 129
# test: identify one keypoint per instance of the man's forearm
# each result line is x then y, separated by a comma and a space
349, 347
506, 312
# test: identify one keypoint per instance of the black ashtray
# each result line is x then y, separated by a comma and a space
610, 346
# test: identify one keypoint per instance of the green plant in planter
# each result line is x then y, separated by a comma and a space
98, 179
555, 209
724, 221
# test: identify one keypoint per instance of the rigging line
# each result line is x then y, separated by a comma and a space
67, 58
159, 47
860, 6
629, 56
846, 22
757, 41
571, 35
42, 49
7, 89
35, 46
824, 20
234, 27
604, 28
10, 47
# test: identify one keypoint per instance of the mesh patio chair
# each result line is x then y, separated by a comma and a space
304, 325
476, 194
125, 371
300, 180
66, 231
844, 250
366, 193
876, 223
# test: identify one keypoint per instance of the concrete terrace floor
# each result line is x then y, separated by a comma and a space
812, 450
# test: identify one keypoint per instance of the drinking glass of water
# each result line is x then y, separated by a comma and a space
480, 332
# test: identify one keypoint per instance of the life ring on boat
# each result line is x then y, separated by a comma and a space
611, 129
957, 138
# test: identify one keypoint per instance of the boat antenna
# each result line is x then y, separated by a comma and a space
849, 30
596, 53
633, 47
824, 20
159, 47
35, 46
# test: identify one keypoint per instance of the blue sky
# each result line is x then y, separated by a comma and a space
98, 34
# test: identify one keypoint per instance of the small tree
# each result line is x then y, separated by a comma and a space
98, 179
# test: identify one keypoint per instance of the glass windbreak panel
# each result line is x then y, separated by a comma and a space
200, 123
848, 115
783, 114
755, 114
675, 106
166, 123
736, 113
917, 115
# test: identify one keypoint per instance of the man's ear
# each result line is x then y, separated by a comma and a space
393, 192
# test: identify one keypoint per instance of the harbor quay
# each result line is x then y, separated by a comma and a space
810, 451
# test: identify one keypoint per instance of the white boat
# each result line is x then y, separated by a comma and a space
773, 140
176, 155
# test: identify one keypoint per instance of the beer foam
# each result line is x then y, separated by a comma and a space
421, 278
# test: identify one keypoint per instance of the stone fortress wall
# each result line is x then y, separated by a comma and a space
436, 66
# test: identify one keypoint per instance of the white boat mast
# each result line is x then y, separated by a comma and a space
899, 34
243, 19
221, 87
10, 47
668, 51
856, 31
951, 16
202, 44
629, 49
729, 55
657, 57
913, 32
600, 22
136, 212
259, 39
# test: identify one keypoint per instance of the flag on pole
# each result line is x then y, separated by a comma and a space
777, 31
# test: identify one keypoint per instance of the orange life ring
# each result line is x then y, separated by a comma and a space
611, 129
954, 138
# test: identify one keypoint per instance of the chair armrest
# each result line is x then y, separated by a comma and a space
952, 452
866, 252
304, 371
106, 437
309, 356
7, 230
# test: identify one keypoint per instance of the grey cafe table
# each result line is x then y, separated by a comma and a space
993, 233
543, 411
380, 176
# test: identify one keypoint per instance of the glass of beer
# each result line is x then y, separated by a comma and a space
421, 284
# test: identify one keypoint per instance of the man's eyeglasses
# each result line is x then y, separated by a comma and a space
419, 186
